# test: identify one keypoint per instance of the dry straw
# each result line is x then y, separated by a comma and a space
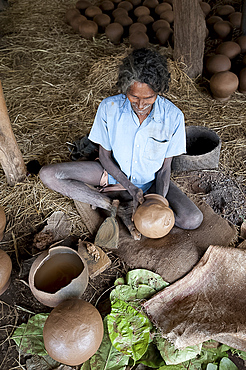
53, 81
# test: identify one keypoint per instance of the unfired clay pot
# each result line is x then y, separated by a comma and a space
212, 20
119, 12
88, 29
2, 222
139, 40
137, 27
73, 332
5, 271
91, 11
153, 218
168, 15
58, 274
229, 48
82, 5
126, 5
162, 8
223, 84
163, 34
225, 10
102, 20
223, 29
141, 10
218, 63
71, 14
242, 81
205, 7
241, 40
159, 23
235, 19
151, 4
114, 32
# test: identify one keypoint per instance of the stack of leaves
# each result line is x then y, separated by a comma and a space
130, 337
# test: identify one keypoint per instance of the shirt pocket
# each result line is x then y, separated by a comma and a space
155, 149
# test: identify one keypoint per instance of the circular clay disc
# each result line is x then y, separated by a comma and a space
153, 218
73, 332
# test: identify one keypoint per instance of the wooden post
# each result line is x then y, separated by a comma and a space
10, 155
189, 35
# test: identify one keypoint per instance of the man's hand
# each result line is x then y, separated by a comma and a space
137, 198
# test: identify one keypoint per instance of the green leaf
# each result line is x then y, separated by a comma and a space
119, 281
131, 293
29, 337
173, 356
172, 367
107, 356
129, 330
227, 364
152, 357
142, 276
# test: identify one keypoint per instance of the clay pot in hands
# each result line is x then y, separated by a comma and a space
153, 218
141, 10
225, 10
73, 332
137, 27
88, 29
139, 40
229, 48
163, 34
2, 222
242, 81
223, 84
223, 29
206, 8
114, 32
102, 20
235, 19
168, 15
58, 274
241, 40
217, 63
5, 271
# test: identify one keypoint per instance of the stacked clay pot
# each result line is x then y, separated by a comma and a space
153, 218
73, 332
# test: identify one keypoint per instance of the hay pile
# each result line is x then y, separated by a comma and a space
53, 81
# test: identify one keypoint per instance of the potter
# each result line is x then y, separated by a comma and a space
139, 131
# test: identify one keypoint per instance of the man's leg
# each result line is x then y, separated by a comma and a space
187, 215
72, 179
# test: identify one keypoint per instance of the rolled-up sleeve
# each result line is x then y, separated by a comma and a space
99, 130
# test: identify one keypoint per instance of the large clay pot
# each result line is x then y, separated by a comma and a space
73, 332
153, 218
235, 19
114, 32
88, 29
223, 29
5, 271
137, 27
229, 48
223, 84
217, 63
2, 222
58, 274
139, 40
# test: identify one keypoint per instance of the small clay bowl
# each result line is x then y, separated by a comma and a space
2, 222
206, 8
114, 32
241, 40
139, 40
141, 10
153, 218
229, 48
218, 63
235, 19
168, 15
58, 274
223, 85
137, 27
88, 29
242, 81
73, 332
5, 271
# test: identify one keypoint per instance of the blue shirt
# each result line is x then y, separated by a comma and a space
139, 150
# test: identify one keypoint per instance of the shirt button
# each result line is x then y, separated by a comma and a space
134, 177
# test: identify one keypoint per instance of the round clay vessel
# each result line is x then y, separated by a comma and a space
223, 29
146, 19
141, 10
2, 222
153, 218
114, 32
102, 20
76, 21
88, 29
107, 6
73, 332
151, 4
241, 40
212, 20
159, 23
205, 7
160, 8
126, 5
235, 19
163, 34
168, 15
229, 48
82, 4
223, 84
137, 27
58, 274
139, 40
242, 81
225, 10
218, 63
71, 14
124, 20
5, 271
135, 3
91, 11
119, 12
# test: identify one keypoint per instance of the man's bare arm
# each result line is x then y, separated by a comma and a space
163, 177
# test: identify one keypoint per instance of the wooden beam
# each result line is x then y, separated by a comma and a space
189, 35
10, 155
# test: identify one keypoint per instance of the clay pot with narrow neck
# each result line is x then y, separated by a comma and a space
58, 274
73, 332
153, 218
5, 271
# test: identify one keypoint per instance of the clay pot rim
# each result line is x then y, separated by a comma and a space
158, 198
